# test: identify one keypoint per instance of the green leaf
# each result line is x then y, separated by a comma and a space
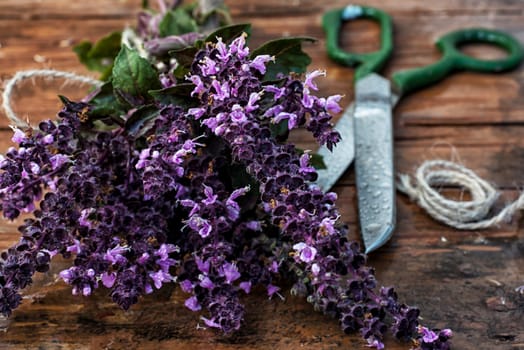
133, 77
176, 22
317, 161
229, 33
101, 55
142, 120
104, 103
288, 54
280, 130
179, 95
185, 56
240, 178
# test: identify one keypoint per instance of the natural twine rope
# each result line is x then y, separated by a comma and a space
33, 73
463, 215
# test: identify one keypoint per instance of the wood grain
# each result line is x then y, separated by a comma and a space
462, 280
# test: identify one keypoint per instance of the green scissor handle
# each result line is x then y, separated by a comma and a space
453, 59
366, 62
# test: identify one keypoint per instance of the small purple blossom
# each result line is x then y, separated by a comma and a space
272, 290
18, 136
48, 139
223, 51
237, 114
375, 343
230, 272
428, 336
75, 248
199, 86
193, 304
245, 286
309, 82
290, 117
276, 91
83, 220
116, 255
58, 160
196, 112
238, 47
186, 286
160, 277
305, 252
259, 62
251, 106
209, 66
202, 226
206, 282
222, 90
305, 167
331, 103
108, 279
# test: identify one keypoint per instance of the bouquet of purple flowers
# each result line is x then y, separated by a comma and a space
178, 170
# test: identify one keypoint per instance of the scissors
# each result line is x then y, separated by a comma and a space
366, 125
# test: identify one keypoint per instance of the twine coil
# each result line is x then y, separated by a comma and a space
463, 215
33, 73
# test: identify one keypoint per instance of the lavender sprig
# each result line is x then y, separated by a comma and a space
196, 185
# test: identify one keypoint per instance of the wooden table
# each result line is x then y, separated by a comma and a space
461, 280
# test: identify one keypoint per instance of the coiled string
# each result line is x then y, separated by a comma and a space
463, 215
10, 85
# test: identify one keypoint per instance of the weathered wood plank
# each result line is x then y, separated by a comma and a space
463, 280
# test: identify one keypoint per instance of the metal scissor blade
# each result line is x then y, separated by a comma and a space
374, 160
338, 160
